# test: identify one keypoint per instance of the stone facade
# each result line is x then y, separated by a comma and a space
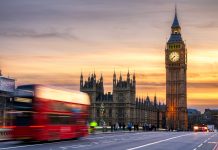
7, 87
121, 106
210, 117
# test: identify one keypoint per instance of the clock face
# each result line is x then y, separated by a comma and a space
174, 56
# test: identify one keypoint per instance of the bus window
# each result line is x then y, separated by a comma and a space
56, 119
23, 111
23, 119
23, 104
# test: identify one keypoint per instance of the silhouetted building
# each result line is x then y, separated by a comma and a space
211, 117
122, 106
194, 118
7, 87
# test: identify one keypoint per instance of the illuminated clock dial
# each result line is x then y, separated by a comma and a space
174, 56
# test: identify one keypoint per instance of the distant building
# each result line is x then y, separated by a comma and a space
210, 116
7, 87
194, 118
121, 106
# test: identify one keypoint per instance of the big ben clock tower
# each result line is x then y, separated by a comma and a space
176, 89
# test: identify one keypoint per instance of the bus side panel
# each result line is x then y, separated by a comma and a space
21, 133
67, 131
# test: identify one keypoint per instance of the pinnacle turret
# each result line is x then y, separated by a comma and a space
120, 77
101, 78
175, 30
128, 77
81, 80
175, 21
114, 75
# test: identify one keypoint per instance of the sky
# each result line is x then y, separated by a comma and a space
52, 41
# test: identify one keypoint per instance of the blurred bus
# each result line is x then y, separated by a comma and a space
43, 113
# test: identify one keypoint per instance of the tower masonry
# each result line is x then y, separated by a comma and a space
176, 83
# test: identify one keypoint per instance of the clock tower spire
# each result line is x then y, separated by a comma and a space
176, 89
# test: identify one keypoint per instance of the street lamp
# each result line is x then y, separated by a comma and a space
4, 112
102, 113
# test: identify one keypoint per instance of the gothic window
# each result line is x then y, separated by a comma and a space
98, 112
110, 112
120, 113
120, 97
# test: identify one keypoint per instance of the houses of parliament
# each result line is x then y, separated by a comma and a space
122, 106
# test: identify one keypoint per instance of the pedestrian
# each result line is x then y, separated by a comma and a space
123, 126
129, 126
111, 127
120, 126
117, 126
149, 127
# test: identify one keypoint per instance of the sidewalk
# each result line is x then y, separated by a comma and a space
99, 130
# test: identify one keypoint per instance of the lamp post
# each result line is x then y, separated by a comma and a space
102, 109
4, 113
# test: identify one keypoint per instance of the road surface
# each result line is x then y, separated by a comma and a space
127, 141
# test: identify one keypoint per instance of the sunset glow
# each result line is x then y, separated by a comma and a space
53, 44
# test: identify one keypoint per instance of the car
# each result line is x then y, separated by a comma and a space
200, 128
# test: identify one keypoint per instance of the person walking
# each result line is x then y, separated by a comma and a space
117, 126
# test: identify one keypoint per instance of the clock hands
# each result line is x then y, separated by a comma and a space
174, 56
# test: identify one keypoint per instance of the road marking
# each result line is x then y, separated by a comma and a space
158, 141
53, 142
194, 149
205, 141
113, 136
215, 147
106, 142
20, 146
200, 145
74, 146
23, 146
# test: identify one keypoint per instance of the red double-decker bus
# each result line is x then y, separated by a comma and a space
45, 113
